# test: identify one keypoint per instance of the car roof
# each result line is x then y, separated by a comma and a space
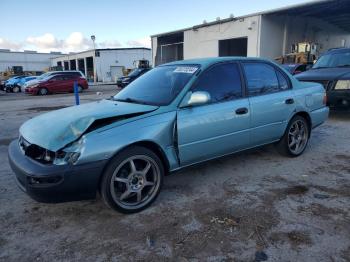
212, 60
337, 51
64, 72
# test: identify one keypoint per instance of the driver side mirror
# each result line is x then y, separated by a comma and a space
196, 99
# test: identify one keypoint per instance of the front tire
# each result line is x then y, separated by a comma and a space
296, 137
16, 89
43, 91
132, 180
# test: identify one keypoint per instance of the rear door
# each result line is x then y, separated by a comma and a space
219, 127
271, 101
68, 85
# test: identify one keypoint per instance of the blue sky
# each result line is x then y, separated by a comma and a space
64, 25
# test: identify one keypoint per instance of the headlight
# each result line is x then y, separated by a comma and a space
70, 154
33, 86
342, 85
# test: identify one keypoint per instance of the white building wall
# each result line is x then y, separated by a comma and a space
29, 61
154, 45
109, 58
204, 42
271, 37
122, 58
71, 57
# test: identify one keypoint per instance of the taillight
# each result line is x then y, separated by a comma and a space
325, 99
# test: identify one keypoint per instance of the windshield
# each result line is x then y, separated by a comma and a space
135, 72
333, 60
43, 76
159, 86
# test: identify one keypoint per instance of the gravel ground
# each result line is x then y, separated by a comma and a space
252, 206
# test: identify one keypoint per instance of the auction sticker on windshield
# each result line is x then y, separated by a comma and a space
185, 69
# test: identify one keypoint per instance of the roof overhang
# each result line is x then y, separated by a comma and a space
336, 12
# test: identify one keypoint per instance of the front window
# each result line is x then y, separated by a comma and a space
159, 86
333, 60
222, 82
43, 76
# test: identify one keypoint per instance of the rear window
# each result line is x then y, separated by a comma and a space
261, 78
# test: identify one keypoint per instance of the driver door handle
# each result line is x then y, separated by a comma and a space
289, 101
242, 111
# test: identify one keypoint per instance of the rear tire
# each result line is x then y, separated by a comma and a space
132, 180
80, 89
296, 137
43, 91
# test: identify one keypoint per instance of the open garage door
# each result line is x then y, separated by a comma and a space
233, 47
170, 48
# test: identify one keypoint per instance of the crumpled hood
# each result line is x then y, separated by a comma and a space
324, 74
56, 129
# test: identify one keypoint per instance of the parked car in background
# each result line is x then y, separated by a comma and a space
295, 69
18, 85
57, 83
136, 73
176, 115
332, 70
26, 79
2, 84
11, 85
44, 76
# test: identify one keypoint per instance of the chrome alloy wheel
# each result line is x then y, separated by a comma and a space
135, 182
298, 136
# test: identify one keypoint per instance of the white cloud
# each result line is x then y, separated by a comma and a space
142, 42
75, 42
109, 44
44, 43
7, 44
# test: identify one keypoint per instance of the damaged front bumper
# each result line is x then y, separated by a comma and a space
54, 183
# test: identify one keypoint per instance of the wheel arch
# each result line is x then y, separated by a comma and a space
151, 145
306, 116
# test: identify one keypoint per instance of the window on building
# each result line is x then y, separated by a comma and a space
233, 47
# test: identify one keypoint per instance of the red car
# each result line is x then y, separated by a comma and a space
60, 83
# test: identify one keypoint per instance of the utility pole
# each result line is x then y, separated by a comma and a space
93, 38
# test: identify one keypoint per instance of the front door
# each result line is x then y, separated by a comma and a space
219, 127
271, 101
56, 83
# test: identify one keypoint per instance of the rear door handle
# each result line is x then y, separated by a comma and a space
289, 101
242, 111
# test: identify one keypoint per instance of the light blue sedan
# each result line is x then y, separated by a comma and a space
176, 115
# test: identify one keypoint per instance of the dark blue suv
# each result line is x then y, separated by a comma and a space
332, 70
